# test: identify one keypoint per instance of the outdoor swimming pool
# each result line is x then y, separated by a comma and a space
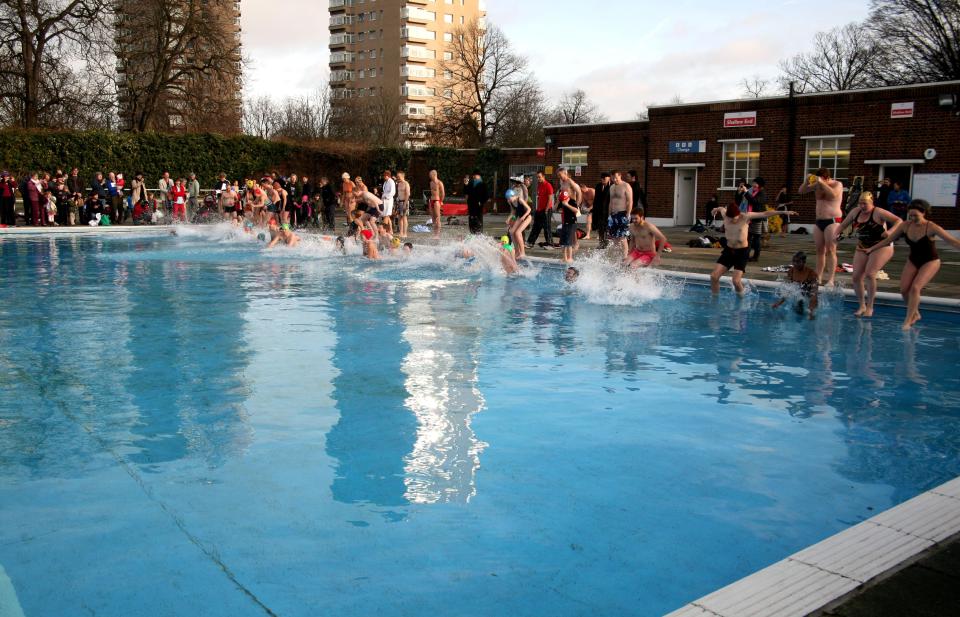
193, 426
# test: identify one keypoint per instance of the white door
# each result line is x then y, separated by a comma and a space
685, 196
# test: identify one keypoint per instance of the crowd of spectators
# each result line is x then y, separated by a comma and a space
65, 199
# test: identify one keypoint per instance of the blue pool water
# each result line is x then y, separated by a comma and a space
192, 426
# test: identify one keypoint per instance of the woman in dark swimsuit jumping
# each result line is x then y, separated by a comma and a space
871, 225
924, 262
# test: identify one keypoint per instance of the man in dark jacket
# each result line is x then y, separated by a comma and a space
757, 200
601, 208
476, 192
99, 187
639, 195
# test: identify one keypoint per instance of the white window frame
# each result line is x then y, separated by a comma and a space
749, 171
570, 156
821, 142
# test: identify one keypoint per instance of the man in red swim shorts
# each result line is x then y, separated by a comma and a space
646, 242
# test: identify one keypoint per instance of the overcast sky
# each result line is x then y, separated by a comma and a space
632, 55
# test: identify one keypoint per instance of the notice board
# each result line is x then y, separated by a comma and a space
938, 189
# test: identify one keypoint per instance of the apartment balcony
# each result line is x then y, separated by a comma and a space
338, 76
414, 53
417, 91
417, 33
416, 111
416, 14
338, 22
413, 130
341, 39
342, 57
418, 73
339, 5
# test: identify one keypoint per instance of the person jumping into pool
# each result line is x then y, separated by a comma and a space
872, 225
806, 279
829, 193
507, 258
571, 274
370, 250
923, 262
437, 194
646, 242
521, 220
286, 236
735, 254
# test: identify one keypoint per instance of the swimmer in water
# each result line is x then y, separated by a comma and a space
248, 227
340, 245
286, 236
571, 274
369, 244
408, 247
806, 279
507, 258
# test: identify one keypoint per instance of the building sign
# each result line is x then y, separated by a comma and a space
901, 110
548, 170
739, 119
688, 147
578, 171
541, 152
656, 162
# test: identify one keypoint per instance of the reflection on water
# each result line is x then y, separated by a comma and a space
116, 354
443, 393
375, 431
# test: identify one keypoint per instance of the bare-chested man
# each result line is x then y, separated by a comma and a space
736, 226
286, 236
829, 193
437, 194
575, 193
347, 200
646, 242
621, 205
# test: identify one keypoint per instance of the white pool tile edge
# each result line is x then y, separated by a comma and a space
820, 575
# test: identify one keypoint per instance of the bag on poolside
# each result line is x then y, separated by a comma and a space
105, 220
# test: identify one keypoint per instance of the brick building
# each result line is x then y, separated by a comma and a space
684, 154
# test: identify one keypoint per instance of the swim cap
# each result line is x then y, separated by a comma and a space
504, 240
261, 236
395, 242
510, 194
248, 224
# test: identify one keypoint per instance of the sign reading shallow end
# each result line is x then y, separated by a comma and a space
739, 119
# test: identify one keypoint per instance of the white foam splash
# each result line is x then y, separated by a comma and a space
607, 283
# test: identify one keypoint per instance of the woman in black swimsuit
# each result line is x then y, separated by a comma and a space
871, 225
924, 262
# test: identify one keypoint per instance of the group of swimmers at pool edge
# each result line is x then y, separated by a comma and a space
642, 243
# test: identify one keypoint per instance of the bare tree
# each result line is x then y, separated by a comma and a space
261, 117
921, 40
483, 79
305, 118
372, 120
521, 126
575, 107
843, 58
178, 64
38, 42
755, 87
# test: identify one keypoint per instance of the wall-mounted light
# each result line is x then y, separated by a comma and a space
948, 101
548, 140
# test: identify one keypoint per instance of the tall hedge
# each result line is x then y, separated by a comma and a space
152, 153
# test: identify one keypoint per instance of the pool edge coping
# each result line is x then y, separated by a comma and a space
826, 574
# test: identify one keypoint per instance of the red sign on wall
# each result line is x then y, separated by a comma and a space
901, 110
541, 152
739, 119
